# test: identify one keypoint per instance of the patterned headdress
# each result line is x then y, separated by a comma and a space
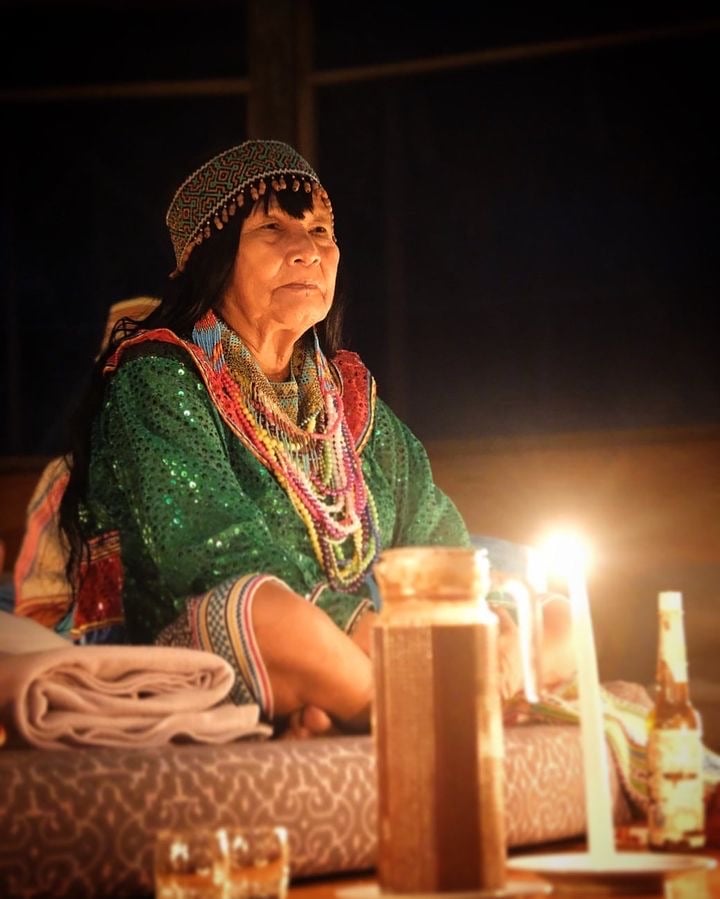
213, 192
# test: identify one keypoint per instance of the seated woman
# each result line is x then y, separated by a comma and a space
235, 476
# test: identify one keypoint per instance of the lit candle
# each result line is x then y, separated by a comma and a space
569, 557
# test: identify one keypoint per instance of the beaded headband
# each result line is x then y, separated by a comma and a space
213, 193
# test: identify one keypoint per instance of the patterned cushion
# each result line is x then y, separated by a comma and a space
81, 823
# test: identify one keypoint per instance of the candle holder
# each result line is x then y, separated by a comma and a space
626, 871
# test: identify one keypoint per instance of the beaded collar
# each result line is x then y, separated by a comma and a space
300, 398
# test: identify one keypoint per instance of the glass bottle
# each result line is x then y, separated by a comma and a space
676, 812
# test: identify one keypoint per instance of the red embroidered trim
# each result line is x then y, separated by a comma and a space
219, 384
359, 394
99, 601
358, 385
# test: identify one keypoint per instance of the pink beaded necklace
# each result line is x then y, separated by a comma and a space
314, 460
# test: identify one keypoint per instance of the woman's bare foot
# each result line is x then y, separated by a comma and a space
309, 721
312, 721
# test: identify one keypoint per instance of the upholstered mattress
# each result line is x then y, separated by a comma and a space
81, 823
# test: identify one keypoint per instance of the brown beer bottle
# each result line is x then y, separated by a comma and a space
676, 811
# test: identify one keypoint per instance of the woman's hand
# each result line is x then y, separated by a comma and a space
311, 664
312, 721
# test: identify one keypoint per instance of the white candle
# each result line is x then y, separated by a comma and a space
569, 556
598, 799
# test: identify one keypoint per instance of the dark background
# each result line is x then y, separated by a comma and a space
529, 245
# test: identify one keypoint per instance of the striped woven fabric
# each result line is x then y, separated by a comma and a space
625, 715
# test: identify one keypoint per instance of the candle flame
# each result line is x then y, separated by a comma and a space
566, 553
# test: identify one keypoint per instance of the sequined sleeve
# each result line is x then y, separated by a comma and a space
421, 513
192, 503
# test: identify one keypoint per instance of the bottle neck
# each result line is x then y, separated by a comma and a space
672, 657
673, 690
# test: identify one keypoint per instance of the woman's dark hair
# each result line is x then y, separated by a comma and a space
187, 297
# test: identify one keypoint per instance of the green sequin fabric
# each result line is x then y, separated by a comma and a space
194, 507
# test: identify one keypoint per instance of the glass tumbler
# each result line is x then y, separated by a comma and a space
256, 862
189, 864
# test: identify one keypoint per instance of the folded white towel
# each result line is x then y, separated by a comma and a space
54, 694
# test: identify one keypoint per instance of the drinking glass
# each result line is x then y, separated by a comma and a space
189, 864
256, 862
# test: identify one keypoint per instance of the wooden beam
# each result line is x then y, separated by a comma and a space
512, 53
135, 90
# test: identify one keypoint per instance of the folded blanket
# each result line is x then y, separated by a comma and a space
55, 695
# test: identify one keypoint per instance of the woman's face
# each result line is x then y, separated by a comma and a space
285, 270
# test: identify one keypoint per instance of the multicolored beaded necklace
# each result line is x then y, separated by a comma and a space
313, 458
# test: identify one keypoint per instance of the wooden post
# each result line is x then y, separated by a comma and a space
280, 103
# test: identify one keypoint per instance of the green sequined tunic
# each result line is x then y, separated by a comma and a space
194, 507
